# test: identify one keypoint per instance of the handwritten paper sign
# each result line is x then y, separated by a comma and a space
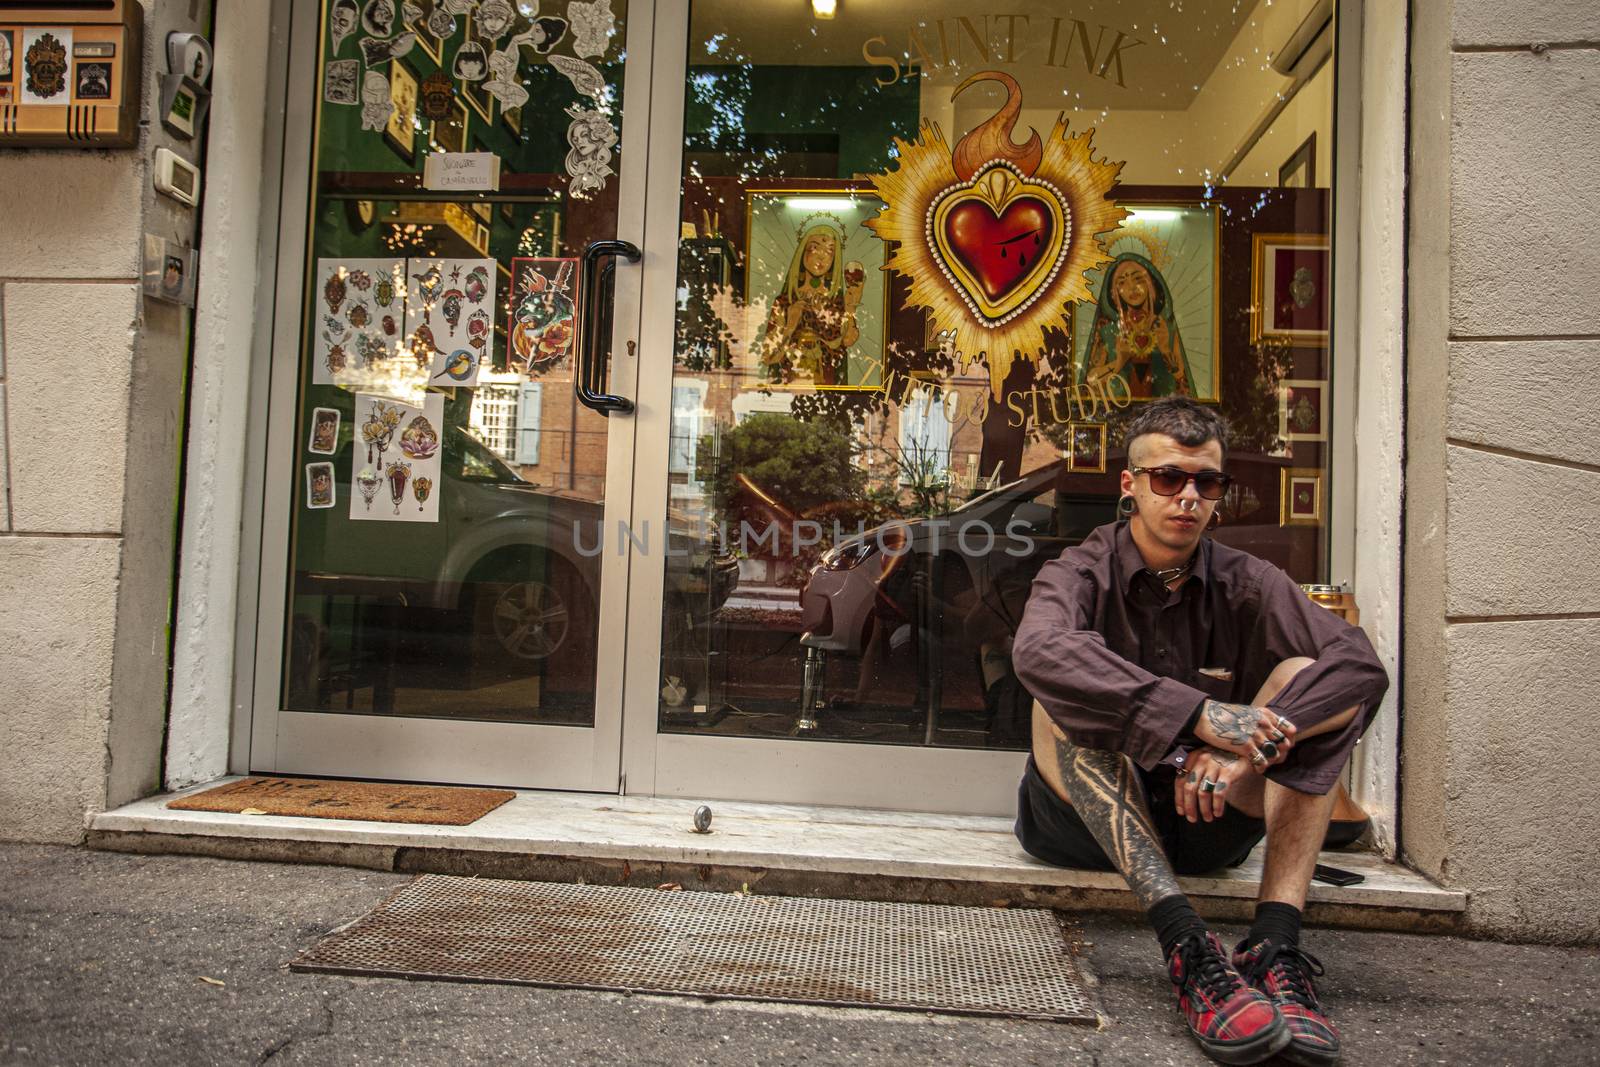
462, 172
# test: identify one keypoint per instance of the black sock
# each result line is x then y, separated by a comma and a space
1276, 920
1174, 918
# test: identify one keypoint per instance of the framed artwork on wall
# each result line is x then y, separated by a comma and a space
1300, 496
816, 289
1086, 453
450, 134
1291, 282
1154, 320
1299, 171
1302, 410
401, 131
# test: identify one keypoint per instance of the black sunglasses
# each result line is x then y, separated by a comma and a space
1169, 481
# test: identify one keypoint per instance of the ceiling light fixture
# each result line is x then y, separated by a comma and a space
824, 9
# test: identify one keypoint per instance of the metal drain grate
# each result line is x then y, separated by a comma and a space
981, 961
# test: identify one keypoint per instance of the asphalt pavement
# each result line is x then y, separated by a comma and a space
108, 958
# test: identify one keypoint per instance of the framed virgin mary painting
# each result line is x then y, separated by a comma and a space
816, 289
1152, 328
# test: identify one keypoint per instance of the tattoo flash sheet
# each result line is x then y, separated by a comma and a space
396, 459
450, 317
358, 315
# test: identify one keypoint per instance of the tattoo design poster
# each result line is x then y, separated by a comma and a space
450, 317
358, 313
544, 296
394, 466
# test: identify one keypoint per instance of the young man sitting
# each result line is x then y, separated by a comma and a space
1189, 698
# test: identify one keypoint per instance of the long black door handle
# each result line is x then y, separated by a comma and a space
589, 379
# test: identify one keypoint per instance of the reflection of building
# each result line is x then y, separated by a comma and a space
1475, 610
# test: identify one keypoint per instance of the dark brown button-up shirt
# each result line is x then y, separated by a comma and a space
1122, 663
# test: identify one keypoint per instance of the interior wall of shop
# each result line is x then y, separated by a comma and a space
1502, 527
91, 402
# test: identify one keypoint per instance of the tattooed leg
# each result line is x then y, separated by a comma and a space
1105, 790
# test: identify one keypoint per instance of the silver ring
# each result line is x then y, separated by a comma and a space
1269, 749
1208, 785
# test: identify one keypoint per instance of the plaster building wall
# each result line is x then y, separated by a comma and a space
1503, 526
91, 402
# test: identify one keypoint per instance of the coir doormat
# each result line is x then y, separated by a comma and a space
919, 957
371, 801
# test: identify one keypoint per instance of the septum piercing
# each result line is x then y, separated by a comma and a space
1188, 505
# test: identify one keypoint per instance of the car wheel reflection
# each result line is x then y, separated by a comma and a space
531, 620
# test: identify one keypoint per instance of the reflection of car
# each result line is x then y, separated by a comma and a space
981, 557
527, 559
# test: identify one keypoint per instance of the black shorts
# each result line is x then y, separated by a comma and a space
1050, 829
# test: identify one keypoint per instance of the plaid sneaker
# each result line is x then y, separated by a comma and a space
1284, 973
1230, 1020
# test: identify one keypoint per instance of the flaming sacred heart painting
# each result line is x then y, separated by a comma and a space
996, 236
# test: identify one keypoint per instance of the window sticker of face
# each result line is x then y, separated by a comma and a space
472, 62
319, 486
376, 107
378, 18
545, 34
342, 21
494, 17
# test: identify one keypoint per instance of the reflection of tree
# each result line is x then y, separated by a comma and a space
771, 464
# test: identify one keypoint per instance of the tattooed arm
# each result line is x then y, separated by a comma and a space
1104, 789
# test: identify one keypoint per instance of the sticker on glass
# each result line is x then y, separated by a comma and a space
377, 51
588, 162
592, 27
472, 62
376, 107
396, 460
343, 20
377, 18
339, 81
360, 305
583, 76
320, 492
324, 431
443, 319
494, 18
544, 34
441, 23
503, 84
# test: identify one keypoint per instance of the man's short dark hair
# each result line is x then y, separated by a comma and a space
1185, 421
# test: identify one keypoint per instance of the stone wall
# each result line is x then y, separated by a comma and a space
1502, 686
91, 404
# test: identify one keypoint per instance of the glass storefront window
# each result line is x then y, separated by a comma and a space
933, 260
446, 478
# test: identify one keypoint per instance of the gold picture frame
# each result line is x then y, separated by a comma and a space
401, 130
1086, 448
1166, 236
774, 218
450, 135
1301, 496
1278, 309
1303, 409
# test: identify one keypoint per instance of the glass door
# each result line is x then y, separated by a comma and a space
929, 263
437, 603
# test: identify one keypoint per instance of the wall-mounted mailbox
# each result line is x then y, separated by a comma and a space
69, 73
